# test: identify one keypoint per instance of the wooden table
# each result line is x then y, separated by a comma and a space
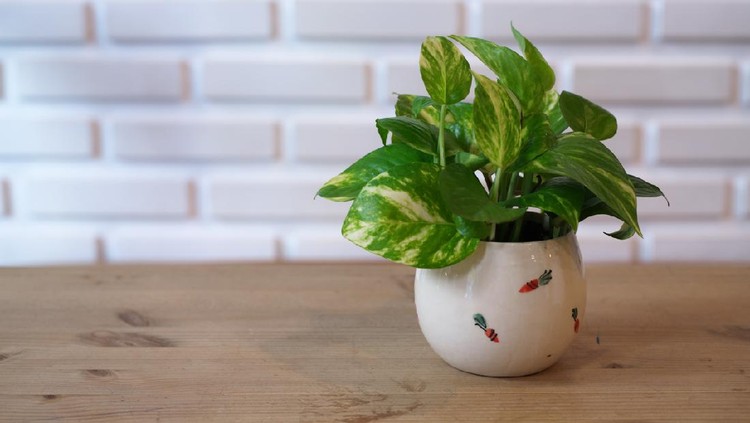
340, 343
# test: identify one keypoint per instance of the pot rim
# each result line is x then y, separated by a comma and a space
569, 234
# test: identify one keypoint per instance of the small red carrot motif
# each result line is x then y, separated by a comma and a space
577, 322
533, 284
488, 332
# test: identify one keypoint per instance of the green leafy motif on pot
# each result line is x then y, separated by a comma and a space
453, 173
488, 332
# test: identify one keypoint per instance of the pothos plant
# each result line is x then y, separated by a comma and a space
456, 173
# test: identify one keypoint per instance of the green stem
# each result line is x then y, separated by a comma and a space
512, 186
528, 183
441, 136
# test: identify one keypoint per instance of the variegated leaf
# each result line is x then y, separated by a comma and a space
584, 116
465, 196
554, 114
400, 215
512, 69
593, 165
646, 189
536, 60
497, 122
445, 71
537, 137
561, 196
408, 104
347, 185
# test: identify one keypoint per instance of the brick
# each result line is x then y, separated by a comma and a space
291, 80
704, 142
656, 81
729, 242
342, 139
272, 195
188, 20
89, 78
42, 22
369, 19
59, 138
706, 20
691, 195
576, 20
105, 195
193, 138
190, 243
626, 144
29, 245
323, 243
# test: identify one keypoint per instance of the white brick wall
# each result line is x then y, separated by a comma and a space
135, 130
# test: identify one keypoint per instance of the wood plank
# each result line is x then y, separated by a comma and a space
341, 343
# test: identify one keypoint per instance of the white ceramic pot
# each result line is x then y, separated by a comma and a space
510, 309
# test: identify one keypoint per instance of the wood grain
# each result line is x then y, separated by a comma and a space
340, 343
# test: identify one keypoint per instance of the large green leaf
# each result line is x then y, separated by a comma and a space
597, 207
537, 137
584, 116
445, 71
536, 60
497, 123
561, 196
460, 121
512, 69
400, 215
594, 166
347, 185
409, 131
418, 107
465, 196
646, 189
554, 114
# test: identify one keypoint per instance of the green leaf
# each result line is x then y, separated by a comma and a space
512, 69
626, 231
445, 71
347, 185
409, 131
537, 137
471, 229
460, 121
594, 166
471, 161
646, 189
561, 196
554, 114
536, 60
584, 116
465, 196
497, 127
420, 103
400, 215
417, 107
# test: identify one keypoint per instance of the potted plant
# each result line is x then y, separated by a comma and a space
484, 199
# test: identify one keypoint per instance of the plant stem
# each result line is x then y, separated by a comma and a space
494, 196
528, 182
441, 136
511, 186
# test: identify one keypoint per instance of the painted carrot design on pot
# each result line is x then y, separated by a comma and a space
489, 332
533, 284
577, 323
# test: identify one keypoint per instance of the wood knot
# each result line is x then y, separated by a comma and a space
102, 373
50, 397
4, 357
413, 385
114, 339
133, 318
615, 365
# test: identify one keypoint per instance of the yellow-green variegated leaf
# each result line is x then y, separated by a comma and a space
497, 122
585, 116
347, 185
593, 165
445, 71
399, 215
561, 196
536, 60
512, 69
554, 114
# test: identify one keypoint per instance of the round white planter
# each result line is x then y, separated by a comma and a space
510, 309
